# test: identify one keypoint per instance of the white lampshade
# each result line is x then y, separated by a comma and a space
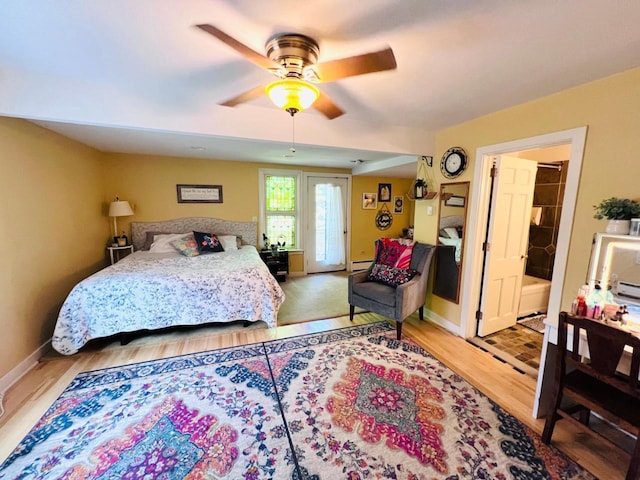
120, 208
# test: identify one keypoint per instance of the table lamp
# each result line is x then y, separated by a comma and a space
119, 208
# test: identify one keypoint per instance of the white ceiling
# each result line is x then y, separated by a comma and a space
135, 76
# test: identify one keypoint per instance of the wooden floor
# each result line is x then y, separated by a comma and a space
27, 401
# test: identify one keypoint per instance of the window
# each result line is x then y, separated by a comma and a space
280, 206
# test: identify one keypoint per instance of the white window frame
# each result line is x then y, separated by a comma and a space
299, 211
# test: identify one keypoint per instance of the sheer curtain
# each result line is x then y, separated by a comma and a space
334, 228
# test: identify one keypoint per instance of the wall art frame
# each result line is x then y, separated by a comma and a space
384, 192
369, 201
398, 204
199, 193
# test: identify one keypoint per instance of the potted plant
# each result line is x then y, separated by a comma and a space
619, 212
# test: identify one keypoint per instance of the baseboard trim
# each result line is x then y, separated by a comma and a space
360, 265
15, 374
444, 323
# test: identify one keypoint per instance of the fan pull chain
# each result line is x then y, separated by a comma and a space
293, 134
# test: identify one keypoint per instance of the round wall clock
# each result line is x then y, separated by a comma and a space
454, 162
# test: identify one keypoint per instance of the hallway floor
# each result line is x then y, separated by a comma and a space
519, 342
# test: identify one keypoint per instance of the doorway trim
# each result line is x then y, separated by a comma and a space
480, 196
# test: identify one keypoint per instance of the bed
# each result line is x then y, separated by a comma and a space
450, 233
160, 288
447, 257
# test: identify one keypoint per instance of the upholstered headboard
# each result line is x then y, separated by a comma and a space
248, 231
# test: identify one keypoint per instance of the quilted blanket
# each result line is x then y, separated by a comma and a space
148, 291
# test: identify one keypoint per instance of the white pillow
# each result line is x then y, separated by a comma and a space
456, 242
162, 243
453, 232
228, 242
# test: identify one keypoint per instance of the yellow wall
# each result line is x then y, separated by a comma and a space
50, 194
149, 184
610, 108
363, 227
55, 198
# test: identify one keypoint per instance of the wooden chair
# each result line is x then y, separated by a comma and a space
594, 383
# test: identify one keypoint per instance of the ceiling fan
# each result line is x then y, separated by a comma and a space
293, 59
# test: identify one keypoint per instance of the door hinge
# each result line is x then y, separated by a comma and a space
494, 172
478, 315
486, 246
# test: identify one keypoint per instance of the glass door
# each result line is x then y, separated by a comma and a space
325, 245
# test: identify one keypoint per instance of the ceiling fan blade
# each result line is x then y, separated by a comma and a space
326, 106
356, 65
241, 48
244, 97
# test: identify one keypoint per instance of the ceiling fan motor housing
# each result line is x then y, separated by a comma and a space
294, 52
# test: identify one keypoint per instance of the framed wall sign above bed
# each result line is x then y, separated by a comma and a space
199, 193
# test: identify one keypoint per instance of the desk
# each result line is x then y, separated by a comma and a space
118, 251
613, 260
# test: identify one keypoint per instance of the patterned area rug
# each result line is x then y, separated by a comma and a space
534, 323
350, 404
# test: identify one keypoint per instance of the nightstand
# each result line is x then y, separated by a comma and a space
278, 263
118, 251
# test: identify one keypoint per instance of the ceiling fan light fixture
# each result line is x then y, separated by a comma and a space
292, 94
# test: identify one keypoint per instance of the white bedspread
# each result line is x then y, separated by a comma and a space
151, 291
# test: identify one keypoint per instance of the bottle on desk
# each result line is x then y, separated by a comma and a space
581, 306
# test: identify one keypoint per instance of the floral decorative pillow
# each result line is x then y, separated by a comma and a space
187, 246
391, 276
207, 242
392, 253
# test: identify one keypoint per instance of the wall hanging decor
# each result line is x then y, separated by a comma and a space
369, 201
384, 192
384, 219
419, 188
398, 204
199, 193
454, 162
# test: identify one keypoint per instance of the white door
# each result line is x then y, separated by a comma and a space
508, 238
326, 236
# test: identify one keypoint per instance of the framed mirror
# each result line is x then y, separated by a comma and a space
614, 265
452, 216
